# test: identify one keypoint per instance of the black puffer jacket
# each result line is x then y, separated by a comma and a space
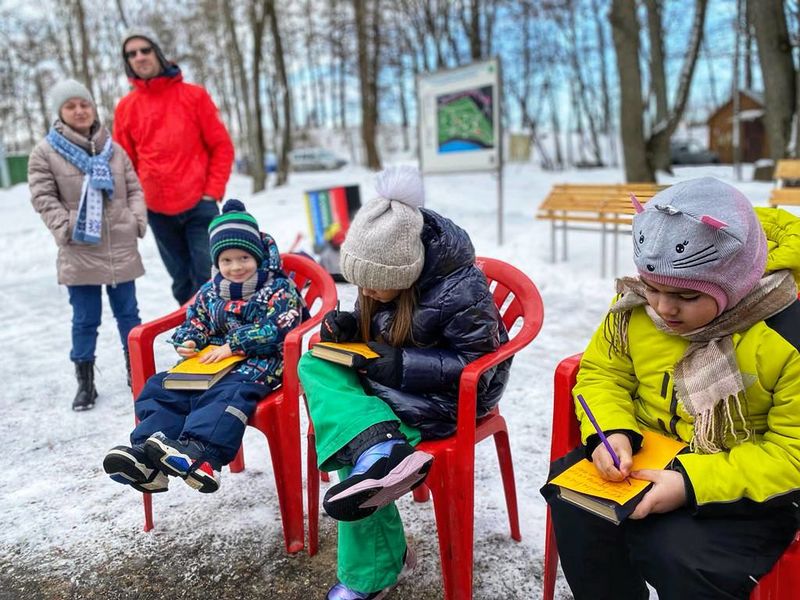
455, 322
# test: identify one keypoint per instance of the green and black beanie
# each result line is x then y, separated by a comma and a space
235, 228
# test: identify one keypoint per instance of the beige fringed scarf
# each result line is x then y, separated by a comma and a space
707, 378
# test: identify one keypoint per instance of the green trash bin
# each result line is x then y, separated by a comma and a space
17, 168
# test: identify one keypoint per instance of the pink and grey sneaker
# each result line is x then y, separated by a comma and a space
184, 459
382, 474
341, 592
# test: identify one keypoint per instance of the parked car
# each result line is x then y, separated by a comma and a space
315, 159
242, 164
691, 152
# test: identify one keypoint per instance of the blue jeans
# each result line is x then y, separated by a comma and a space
182, 241
87, 309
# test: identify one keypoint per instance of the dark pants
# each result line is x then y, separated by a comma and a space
87, 309
182, 241
216, 417
681, 556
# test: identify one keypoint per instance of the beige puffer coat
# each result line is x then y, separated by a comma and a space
55, 186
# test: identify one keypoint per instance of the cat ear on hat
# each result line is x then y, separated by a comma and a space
712, 222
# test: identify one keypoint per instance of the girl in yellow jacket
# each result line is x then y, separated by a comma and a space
702, 346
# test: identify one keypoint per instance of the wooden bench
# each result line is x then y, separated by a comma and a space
606, 208
787, 169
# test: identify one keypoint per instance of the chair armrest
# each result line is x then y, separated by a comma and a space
140, 346
468, 393
566, 431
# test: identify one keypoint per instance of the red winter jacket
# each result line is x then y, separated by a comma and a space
178, 145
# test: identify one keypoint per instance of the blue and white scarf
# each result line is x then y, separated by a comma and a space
88, 225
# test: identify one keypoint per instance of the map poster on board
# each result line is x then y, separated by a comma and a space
459, 119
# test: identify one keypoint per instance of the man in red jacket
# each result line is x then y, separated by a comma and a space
182, 153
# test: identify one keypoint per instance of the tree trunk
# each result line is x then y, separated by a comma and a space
582, 92
660, 158
259, 173
625, 33
663, 130
280, 65
777, 68
86, 49
367, 76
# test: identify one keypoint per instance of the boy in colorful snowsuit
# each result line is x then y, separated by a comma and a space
247, 308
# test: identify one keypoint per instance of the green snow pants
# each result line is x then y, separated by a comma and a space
371, 550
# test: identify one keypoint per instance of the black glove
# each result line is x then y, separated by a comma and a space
387, 369
338, 326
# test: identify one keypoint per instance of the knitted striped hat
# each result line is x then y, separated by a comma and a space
235, 228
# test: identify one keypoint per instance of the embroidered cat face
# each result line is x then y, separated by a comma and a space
703, 235
669, 239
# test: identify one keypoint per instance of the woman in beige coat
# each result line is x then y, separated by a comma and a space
85, 189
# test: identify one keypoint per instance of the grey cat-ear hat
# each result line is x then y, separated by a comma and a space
383, 249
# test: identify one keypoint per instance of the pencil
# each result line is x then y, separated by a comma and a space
603, 438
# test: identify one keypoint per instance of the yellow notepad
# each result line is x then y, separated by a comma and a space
193, 364
656, 453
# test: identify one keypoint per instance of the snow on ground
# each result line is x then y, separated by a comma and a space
59, 513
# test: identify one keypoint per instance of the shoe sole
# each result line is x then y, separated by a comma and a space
178, 465
365, 497
121, 468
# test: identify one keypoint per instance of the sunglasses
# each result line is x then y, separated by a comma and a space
144, 51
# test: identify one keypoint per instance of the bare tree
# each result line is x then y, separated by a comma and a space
643, 156
367, 24
777, 69
284, 90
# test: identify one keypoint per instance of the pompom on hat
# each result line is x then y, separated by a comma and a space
701, 235
235, 228
63, 91
383, 249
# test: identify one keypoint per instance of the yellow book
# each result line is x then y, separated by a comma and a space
349, 355
583, 486
191, 374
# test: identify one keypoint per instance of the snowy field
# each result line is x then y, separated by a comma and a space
63, 523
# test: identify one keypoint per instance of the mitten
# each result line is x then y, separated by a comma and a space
338, 326
387, 369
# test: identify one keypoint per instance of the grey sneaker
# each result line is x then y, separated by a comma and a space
130, 466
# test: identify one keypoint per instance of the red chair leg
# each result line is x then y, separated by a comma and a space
287, 466
509, 485
237, 464
312, 479
550, 560
422, 493
453, 504
147, 500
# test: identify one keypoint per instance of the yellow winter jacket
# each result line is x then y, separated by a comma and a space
635, 391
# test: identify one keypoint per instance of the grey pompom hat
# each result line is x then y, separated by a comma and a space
63, 91
383, 249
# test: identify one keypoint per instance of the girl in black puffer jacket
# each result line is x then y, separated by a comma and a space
426, 309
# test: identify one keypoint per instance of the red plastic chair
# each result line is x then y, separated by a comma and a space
277, 415
451, 478
781, 583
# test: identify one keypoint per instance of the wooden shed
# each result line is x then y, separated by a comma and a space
752, 133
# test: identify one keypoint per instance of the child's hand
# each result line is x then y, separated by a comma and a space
605, 465
667, 493
217, 354
187, 349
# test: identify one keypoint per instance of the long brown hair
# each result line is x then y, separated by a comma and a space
400, 333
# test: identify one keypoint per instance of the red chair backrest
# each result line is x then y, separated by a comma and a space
311, 279
516, 297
